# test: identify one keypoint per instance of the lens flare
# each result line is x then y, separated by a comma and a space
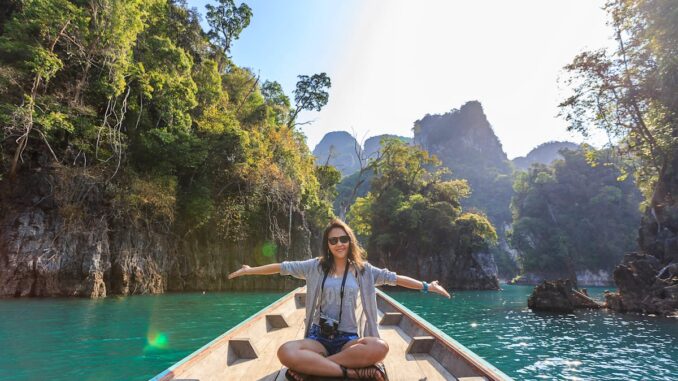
156, 340
269, 249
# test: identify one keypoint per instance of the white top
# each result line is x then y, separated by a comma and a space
331, 299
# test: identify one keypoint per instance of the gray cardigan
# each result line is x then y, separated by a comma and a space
368, 279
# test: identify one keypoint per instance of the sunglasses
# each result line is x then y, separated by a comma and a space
343, 239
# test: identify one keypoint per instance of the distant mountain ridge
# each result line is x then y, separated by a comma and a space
545, 153
373, 144
340, 149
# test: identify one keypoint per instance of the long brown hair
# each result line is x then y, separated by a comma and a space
356, 254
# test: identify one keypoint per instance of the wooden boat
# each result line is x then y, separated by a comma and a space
418, 351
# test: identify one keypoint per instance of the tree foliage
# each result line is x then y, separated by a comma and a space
136, 91
631, 92
577, 214
310, 94
411, 210
227, 22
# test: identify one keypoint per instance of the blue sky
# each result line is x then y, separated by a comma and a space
393, 61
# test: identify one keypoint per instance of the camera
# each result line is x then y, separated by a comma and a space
328, 326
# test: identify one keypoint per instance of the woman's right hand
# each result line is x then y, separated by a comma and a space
241, 272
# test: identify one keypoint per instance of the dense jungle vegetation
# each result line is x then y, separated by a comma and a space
578, 214
411, 211
631, 93
136, 96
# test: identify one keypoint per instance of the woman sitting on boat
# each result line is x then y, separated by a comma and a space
332, 347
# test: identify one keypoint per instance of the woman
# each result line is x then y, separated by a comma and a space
332, 347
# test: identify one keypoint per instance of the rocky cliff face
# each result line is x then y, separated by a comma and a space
647, 282
454, 269
338, 148
464, 141
645, 285
51, 247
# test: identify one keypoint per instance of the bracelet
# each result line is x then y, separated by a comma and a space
425, 287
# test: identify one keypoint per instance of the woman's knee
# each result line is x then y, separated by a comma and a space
378, 348
286, 353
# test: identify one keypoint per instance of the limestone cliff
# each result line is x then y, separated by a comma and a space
53, 246
465, 142
647, 281
456, 270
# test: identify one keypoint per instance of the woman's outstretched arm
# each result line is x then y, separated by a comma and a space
407, 282
273, 268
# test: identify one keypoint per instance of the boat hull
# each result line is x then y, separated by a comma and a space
248, 351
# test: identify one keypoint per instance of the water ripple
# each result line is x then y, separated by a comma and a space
585, 345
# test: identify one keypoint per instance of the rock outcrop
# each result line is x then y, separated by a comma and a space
52, 246
465, 142
647, 282
454, 270
559, 296
645, 285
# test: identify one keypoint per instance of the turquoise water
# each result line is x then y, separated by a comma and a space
586, 345
135, 338
130, 338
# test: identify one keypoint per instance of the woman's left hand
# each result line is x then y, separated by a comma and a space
438, 289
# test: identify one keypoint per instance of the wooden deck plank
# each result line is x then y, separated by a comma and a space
431, 368
214, 366
400, 366
268, 345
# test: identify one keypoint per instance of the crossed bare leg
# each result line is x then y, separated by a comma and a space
309, 357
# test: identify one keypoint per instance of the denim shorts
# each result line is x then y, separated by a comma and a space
334, 345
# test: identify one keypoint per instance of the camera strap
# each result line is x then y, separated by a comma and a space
341, 292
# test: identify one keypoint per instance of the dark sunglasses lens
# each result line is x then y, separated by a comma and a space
335, 240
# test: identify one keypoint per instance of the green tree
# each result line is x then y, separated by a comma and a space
226, 22
630, 93
574, 215
310, 94
130, 94
410, 212
279, 102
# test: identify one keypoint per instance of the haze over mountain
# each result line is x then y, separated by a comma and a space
373, 144
465, 142
545, 153
340, 149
